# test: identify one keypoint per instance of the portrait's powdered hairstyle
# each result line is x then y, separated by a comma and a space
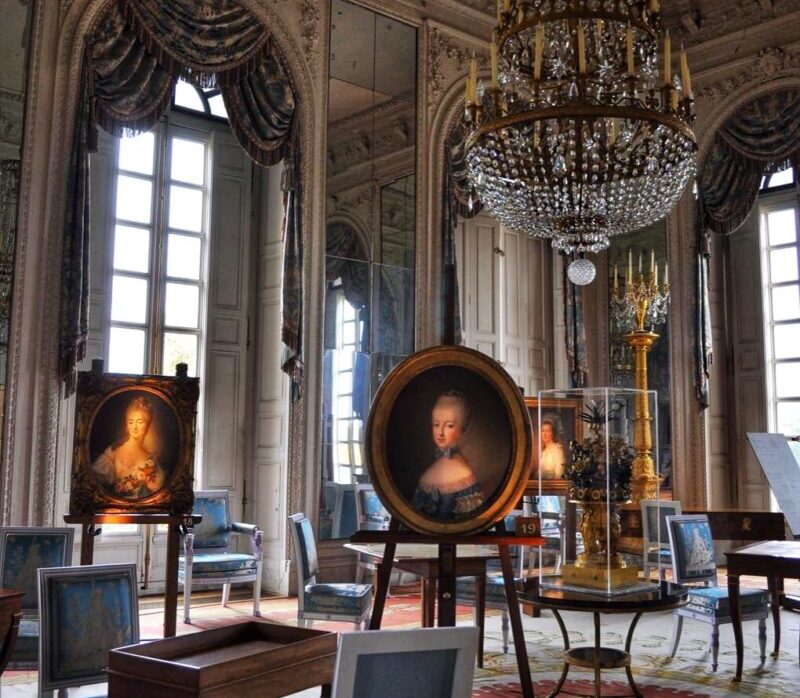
143, 405
455, 398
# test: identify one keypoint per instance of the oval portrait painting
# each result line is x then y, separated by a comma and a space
448, 438
134, 442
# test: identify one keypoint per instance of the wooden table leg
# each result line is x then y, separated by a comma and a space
88, 533
171, 582
428, 606
516, 623
384, 575
446, 592
775, 585
480, 612
736, 621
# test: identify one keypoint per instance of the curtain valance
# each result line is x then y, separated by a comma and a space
134, 54
762, 137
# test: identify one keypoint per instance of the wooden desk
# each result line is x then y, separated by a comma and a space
10, 616
423, 560
771, 559
89, 529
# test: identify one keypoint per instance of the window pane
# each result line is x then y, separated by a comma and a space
785, 303
183, 257
136, 154
781, 226
786, 344
134, 199
179, 348
789, 418
783, 265
217, 106
186, 209
781, 178
188, 161
126, 350
131, 248
128, 299
186, 96
787, 380
182, 305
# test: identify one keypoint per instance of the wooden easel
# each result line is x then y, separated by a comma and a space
89, 529
446, 581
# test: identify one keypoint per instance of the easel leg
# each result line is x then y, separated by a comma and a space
88, 533
480, 611
446, 591
516, 623
384, 574
428, 604
171, 582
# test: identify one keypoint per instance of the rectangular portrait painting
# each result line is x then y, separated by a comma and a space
134, 443
555, 423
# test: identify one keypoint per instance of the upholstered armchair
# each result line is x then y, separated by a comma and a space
207, 559
350, 603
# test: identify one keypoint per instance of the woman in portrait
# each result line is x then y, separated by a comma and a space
551, 464
128, 469
448, 489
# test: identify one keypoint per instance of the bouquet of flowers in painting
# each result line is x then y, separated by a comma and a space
602, 464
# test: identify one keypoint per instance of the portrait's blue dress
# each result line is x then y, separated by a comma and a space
448, 506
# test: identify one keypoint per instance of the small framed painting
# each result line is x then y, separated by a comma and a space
134, 443
555, 424
449, 441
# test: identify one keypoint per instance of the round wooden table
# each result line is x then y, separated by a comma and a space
556, 596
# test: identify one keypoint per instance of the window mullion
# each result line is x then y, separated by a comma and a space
159, 254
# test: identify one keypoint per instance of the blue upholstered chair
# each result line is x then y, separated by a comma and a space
371, 516
655, 537
23, 551
207, 559
350, 603
692, 550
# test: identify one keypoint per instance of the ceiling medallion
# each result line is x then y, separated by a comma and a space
579, 136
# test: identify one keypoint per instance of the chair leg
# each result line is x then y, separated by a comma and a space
226, 593
504, 626
714, 646
257, 591
677, 626
762, 638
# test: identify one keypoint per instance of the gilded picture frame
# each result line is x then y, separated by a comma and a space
565, 425
134, 443
443, 482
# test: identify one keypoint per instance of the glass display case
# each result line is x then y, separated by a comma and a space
601, 444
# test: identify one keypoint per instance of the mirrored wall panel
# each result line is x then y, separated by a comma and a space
370, 244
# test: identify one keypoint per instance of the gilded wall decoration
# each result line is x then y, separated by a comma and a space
447, 61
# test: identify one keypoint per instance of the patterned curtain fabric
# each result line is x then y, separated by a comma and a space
458, 199
134, 56
292, 291
75, 255
762, 137
575, 331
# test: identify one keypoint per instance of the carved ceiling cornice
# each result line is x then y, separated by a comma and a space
770, 63
448, 56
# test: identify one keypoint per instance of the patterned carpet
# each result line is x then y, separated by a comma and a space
688, 675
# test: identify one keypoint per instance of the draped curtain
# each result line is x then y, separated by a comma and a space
762, 137
458, 199
133, 57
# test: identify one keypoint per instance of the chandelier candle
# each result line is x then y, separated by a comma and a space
579, 136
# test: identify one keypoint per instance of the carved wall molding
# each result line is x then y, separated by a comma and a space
448, 59
11, 114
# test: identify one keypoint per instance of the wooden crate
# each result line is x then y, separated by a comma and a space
248, 659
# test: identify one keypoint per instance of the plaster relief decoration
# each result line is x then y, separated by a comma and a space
447, 62
771, 63
11, 104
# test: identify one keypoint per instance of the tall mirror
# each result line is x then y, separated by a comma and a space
370, 220
13, 58
649, 244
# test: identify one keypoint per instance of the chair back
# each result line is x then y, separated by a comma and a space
345, 518
213, 532
305, 550
655, 532
370, 512
692, 549
424, 663
23, 550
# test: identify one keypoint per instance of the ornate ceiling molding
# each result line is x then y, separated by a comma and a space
447, 59
770, 63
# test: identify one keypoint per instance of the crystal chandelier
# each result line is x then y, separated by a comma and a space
578, 136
